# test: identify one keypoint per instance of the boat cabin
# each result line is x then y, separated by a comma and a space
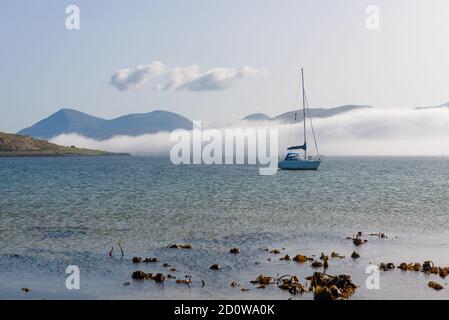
293, 156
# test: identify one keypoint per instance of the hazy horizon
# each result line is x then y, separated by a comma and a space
361, 132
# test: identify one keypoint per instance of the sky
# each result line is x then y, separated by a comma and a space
218, 61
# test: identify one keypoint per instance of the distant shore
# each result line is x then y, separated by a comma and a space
43, 154
14, 145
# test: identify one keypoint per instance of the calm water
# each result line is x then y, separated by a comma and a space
60, 211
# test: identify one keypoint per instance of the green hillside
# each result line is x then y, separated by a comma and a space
18, 145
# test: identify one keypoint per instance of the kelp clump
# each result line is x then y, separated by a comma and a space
327, 287
302, 258
337, 255
140, 275
292, 284
264, 280
427, 267
435, 285
182, 246
286, 282
386, 266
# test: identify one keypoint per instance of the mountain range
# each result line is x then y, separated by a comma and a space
289, 117
444, 105
73, 121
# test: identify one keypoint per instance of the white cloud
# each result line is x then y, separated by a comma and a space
214, 79
184, 78
125, 79
249, 72
180, 76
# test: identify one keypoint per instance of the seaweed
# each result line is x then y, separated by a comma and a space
184, 281
327, 287
182, 246
380, 235
323, 257
336, 255
316, 264
140, 275
263, 280
357, 239
386, 266
435, 285
159, 277
136, 259
301, 258
427, 267
443, 272
410, 266
325, 260
292, 284
121, 249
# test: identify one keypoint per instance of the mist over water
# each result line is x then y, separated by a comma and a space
360, 132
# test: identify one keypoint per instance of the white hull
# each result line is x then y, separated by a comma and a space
293, 160
299, 164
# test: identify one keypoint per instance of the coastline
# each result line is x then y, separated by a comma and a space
28, 154
15, 145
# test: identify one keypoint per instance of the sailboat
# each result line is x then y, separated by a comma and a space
294, 160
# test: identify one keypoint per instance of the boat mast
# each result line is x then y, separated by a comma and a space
304, 112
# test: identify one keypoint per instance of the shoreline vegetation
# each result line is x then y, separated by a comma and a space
14, 145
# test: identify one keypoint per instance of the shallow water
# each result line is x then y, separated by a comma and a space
56, 212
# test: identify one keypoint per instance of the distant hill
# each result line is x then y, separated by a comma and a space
289, 117
257, 117
444, 105
73, 121
17, 145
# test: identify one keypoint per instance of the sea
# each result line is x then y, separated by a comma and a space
57, 212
